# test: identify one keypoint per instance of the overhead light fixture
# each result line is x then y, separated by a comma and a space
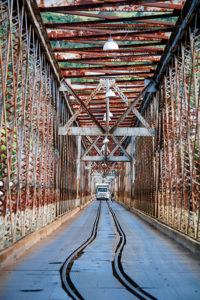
110, 45
106, 140
109, 116
110, 94
104, 118
103, 148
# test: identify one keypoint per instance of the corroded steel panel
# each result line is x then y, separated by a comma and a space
168, 170
38, 167
125, 5
34, 186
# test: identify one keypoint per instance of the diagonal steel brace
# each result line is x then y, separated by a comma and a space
134, 110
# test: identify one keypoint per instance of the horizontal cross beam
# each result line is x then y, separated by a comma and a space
94, 131
109, 158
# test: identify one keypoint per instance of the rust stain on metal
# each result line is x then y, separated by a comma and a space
36, 162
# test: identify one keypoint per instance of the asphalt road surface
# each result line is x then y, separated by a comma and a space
158, 266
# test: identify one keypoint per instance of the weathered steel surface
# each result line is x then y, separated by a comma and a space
129, 6
167, 184
109, 158
84, 107
38, 166
72, 33
143, 18
35, 163
145, 31
94, 131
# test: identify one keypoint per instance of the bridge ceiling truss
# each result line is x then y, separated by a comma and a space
77, 31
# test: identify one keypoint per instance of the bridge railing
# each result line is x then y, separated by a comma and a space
167, 167
37, 167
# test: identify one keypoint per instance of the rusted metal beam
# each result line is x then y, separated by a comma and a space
131, 92
78, 165
109, 158
121, 147
93, 145
72, 92
35, 188
135, 24
186, 15
144, 18
93, 5
82, 70
36, 19
103, 27
86, 87
111, 75
99, 49
129, 109
170, 5
119, 81
135, 111
127, 58
80, 54
86, 102
62, 35
84, 14
115, 148
94, 131
93, 41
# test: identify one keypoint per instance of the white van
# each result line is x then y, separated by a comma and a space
102, 193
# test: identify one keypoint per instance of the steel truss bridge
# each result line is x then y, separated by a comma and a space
60, 131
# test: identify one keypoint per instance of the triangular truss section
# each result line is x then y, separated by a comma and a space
103, 153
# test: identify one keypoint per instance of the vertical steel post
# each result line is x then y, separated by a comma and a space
131, 169
107, 117
78, 174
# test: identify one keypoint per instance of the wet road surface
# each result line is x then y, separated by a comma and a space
156, 263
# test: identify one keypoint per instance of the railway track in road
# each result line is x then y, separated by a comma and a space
67, 283
117, 267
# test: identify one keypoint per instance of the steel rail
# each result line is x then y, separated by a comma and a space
118, 270
65, 270
117, 267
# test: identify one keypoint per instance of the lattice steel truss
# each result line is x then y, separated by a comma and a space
37, 168
167, 184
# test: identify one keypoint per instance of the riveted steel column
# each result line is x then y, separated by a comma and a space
131, 169
78, 175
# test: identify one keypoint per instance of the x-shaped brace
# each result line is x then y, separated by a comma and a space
132, 107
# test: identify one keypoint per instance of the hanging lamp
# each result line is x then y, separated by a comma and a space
110, 44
